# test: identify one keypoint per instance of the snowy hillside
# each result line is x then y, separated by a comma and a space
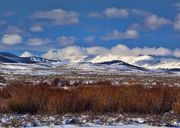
6, 57
148, 62
10, 58
158, 63
102, 63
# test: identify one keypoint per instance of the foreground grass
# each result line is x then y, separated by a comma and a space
45, 99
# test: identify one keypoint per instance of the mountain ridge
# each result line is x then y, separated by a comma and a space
141, 62
6, 57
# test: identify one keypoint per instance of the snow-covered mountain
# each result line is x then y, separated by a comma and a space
109, 62
158, 62
6, 57
41, 60
105, 67
149, 62
121, 65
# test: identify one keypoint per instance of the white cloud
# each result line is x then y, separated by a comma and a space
90, 39
111, 12
151, 21
177, 22
96, 50
121, 50
151, 51
75, 53
114, 12
36, 28
51, 54
37, 41
154, 22
71, 53
66, 40
58, 16
26, 54
115, 35
11, 39
177, 53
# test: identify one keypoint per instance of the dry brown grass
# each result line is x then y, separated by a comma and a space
176, 108
42, 98
25, 98
176, 105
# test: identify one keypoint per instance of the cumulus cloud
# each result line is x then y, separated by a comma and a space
26, 54
151, 21
75, 53
151, 51
58, 16
115, 34
154, 21
111, 12
71, 53
114, 12
36, 28
96, 50
11, 39
177, 53
123, 50
52, 54
66, 40
37, 41
90, 39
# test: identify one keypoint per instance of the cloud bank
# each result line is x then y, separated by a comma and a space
76, 53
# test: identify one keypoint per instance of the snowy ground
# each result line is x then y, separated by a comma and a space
102, 126
84, 68
85, 74
88, 121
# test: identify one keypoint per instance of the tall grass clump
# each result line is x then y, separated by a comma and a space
46, 99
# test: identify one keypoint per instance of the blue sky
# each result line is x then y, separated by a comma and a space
38, 26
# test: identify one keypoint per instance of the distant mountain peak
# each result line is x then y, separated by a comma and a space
136, 62
6, 57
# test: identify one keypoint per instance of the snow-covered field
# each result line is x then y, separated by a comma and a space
118, 73
82, 121
102, 126
41, 69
